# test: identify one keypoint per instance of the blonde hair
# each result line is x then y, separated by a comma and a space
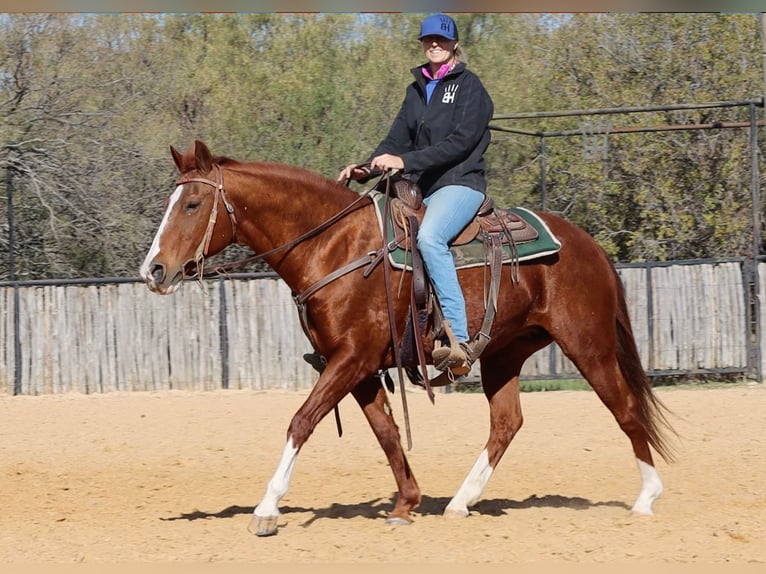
460, 54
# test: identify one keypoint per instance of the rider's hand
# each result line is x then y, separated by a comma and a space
386, 162
354, 171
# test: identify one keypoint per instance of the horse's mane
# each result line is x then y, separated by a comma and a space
294, 174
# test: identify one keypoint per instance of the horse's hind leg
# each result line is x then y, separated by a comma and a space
633, 408
500, 379
373, 400
624, 405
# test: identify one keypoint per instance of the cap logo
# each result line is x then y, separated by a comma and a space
439, 25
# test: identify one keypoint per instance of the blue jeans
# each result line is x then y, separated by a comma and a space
449, 210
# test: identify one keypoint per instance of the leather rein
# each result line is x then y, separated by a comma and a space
219, 195
370, 259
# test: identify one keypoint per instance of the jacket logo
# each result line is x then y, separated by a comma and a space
449, 94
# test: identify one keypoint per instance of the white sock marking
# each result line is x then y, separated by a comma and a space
279, 483
651, 488
473, 485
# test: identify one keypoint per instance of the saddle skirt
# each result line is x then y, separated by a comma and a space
523, 235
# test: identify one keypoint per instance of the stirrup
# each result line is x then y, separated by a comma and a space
457, 357
453, 374
447, 356
446, 378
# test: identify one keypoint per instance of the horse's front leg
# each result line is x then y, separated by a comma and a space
335, 382
266, 514
373, 400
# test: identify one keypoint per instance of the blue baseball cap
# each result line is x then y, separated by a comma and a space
438, 25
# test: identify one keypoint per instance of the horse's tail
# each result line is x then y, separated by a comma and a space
652, 411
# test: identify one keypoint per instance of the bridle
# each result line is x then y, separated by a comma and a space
219, 195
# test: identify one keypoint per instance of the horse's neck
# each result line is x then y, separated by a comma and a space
279, 205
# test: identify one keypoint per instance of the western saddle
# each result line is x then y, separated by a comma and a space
497, 229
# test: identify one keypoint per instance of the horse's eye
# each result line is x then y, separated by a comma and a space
192, 206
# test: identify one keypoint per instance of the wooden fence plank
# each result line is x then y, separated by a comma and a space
115, 337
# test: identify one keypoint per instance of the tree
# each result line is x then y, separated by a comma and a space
90, 103
657, 196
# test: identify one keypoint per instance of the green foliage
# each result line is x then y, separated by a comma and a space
665, 195
473, 385
90, 103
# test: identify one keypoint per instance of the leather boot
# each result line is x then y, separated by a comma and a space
458, 358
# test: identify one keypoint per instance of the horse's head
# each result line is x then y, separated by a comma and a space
195, 223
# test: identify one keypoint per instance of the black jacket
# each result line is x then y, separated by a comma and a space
442, 142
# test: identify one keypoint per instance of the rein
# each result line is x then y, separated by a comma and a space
219, 194
370, 259
222, 268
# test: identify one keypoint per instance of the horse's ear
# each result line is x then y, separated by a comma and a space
202, 157
176, 157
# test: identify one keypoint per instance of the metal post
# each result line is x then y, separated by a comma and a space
223, 333
650, 362
12, 276
553, 355
543, 174
755, 184
763, 49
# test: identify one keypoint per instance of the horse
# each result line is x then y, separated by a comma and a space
317, 235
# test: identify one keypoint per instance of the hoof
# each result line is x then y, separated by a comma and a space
641, 511
452, 513
398, 521
263, 525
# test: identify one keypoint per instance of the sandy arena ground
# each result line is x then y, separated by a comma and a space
173, 477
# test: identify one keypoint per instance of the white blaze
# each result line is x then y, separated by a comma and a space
155, 248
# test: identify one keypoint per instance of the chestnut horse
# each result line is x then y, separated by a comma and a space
308, 227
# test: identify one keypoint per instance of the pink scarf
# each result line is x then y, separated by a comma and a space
440, 73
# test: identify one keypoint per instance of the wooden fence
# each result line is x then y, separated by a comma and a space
687, 318
245, 333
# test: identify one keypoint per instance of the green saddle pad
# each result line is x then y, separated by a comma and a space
472, 254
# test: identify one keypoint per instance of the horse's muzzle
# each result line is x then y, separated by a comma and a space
157, 279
